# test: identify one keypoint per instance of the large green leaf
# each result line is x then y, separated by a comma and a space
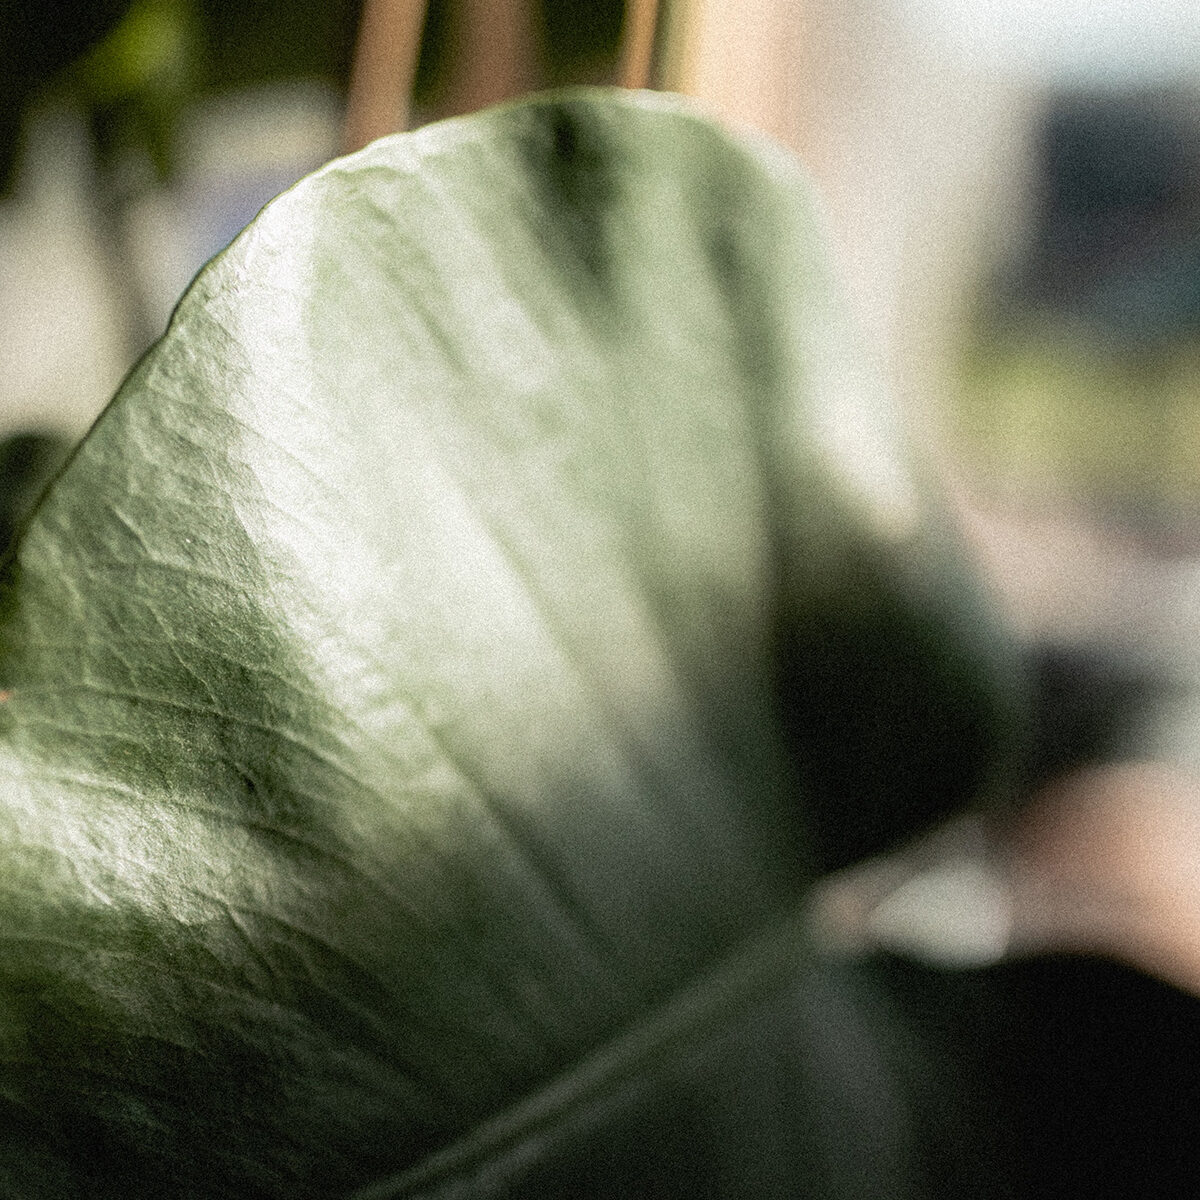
430, 688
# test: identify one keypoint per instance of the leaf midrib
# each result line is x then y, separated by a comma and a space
586, 1091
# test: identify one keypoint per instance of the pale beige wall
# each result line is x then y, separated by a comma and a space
918, 155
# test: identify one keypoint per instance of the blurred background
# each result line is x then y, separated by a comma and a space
1012, 193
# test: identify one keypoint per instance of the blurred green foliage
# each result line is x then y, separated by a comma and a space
133, 67
1080, 367
1051, 402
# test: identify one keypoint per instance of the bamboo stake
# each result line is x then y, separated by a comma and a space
637, 44
385, 67
497, 55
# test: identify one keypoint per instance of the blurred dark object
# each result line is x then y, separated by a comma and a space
580, 35
1116, 238
905, 694
38, 40
1092, 704
1080, 1073
270, 40
28, 461
133, 66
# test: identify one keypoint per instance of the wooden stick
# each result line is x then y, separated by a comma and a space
497, 55
637, 44
385, 67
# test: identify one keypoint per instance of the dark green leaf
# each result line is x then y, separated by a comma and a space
406, 701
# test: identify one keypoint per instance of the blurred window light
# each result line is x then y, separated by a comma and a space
1069, 41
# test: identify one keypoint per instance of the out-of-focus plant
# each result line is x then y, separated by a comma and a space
37, 41
134, 66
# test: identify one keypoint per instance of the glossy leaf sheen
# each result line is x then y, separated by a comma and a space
408, 731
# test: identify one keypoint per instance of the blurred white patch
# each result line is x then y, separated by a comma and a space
958, 914
866, 447
1112, 41
943, 900
63, 335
